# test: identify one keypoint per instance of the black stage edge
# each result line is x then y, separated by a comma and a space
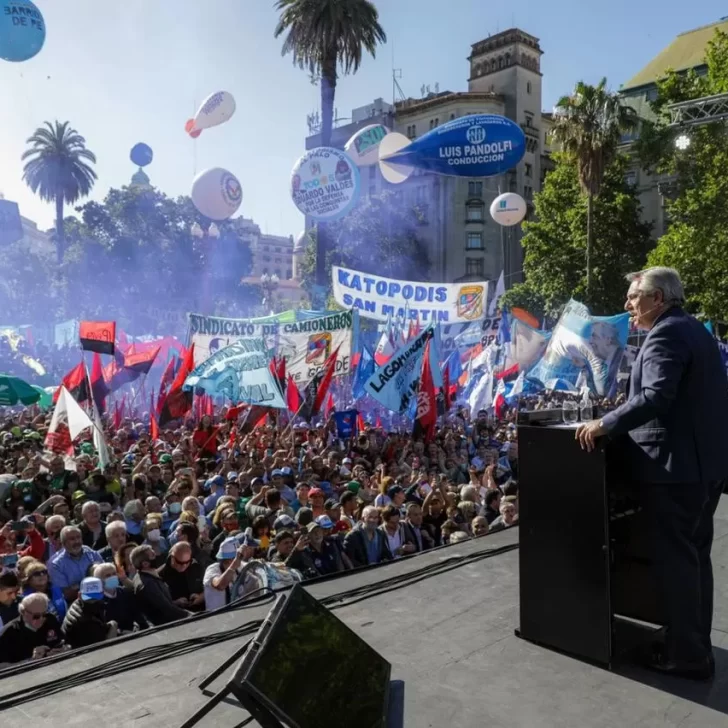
450, 639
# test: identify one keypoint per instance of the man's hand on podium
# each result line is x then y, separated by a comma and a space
588, 432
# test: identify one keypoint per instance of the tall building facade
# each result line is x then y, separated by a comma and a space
463, 241
685, 53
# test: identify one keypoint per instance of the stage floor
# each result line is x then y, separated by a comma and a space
455, 660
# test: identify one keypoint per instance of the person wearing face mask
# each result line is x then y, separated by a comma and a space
153, 537
86, 622
119, 602
171, 511
33, 635
134, 518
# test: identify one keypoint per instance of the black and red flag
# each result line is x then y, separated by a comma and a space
177, 403
316, 390
293, 396
140, 363
76, 382
426, 417
99, 388
98, 336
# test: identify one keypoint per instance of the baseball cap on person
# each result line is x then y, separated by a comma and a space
395, 490
353, 486
346, 461
228, 549
276, 473
283, 521
217, 482
232, 475
286, 471
166, 458
245, 539
311, 526
92, 589
325, 522
315, 492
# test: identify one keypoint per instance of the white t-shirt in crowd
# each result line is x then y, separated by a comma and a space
382, 500
394, 542
214, 598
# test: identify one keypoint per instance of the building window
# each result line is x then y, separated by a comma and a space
529, 170
652, 94
432, 124
475, 212
474, 267
529, 120
475, 189
631, 177
266, 258
289, 275
437, 121
452, 116
528, 192
474, 241
412, 131
278, 273
529, 87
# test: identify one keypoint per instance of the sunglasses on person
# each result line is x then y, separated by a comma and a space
40, 572
181, 563
35, 616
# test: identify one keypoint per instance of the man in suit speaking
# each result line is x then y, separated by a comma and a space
676, 419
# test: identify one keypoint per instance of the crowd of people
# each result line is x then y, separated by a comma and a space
212, 512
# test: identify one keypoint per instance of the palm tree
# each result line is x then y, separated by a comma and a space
589, 125
56, 170
325, 36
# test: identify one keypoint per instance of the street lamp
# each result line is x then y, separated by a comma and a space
212, 234
682, 142
269, 284
197, 232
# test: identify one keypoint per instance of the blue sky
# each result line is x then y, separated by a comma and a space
123, 71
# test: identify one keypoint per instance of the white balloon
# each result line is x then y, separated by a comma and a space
217, 193
216, 109
363, 147
508, 209
391, 144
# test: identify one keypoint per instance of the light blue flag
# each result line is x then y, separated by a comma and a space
394, 384
240, 373
582, 341
364, 371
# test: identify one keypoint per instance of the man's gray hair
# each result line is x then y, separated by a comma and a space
114, 527
55, 521
88, 506
662, 279
36, 599
66, 531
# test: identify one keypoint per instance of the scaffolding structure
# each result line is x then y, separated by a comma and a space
699, 111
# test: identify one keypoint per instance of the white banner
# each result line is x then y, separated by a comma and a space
380, 298
305, 345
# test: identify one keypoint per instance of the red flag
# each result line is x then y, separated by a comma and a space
177, 402
329, 406
209, 406
293, 396
234, 412
262, 420
378, 422
324, 382
118, 414
426, 418
359, 422
98, 336
153, 427
76, 382
165, 382
446, 386
98, 384
152, 409
142, 362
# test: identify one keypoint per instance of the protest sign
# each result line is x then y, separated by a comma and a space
395, 383
239, 372
305, 345
463, 336
381, 299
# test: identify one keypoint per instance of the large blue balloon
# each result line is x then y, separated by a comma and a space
141, 154
22, 30
479, 145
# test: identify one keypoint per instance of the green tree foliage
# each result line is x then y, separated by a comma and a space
57, 169
133, 257
588, 127
379, 236
696, 242
555, 242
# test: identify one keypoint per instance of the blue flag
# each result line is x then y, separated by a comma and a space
345, 423
504, 330
364, 371
455, 368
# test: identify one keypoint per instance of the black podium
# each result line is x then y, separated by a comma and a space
584, 551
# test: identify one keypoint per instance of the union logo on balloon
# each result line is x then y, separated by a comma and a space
216, 193
22, 30
216, 109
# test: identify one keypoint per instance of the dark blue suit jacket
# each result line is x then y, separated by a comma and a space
676, 416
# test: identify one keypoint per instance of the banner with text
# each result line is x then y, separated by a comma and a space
465, 336
240, 373
305, 345
381, 298
395, 383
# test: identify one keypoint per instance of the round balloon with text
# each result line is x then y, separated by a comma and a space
325, 184
508, 209
217, 193
22, 30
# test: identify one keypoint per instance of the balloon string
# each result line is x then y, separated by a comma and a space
194, 143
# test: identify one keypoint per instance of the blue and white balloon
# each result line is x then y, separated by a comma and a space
478, 145
22, 30
217, 193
